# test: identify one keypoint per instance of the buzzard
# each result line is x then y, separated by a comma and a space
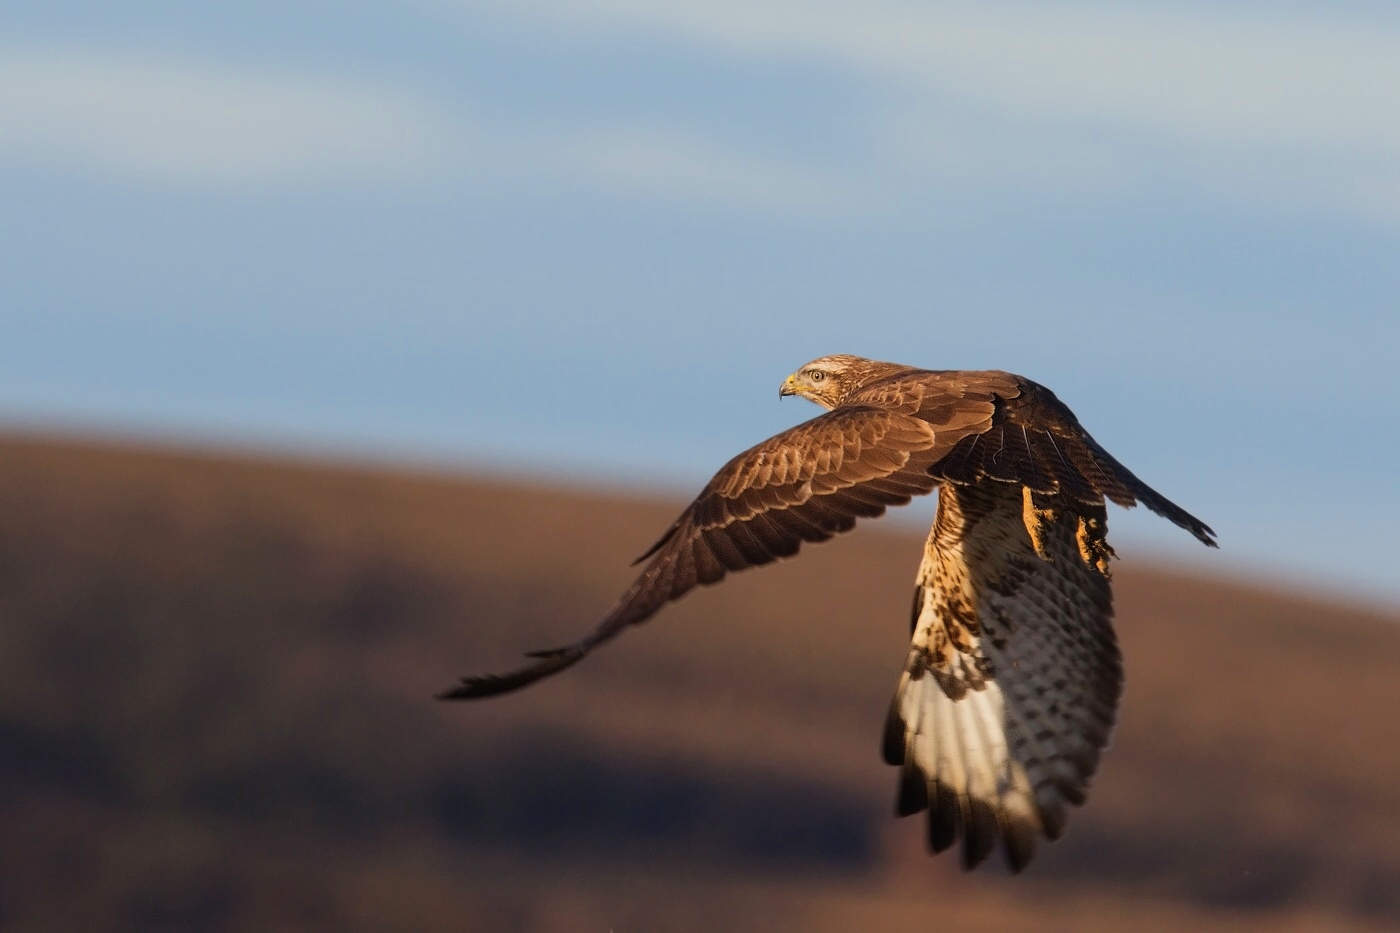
1013, 678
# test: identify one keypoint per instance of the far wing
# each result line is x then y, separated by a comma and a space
806, 484
1036, 441
1013, 678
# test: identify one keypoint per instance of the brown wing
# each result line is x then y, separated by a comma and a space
1035, 440
806, 484
1013, 677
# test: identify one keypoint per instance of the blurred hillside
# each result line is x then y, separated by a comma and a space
215, 714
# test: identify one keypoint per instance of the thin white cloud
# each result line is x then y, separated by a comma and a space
174, 121
1272, 105
1078, 98
1277, 78
673, 164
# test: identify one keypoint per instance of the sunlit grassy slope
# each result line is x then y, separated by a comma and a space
215, 714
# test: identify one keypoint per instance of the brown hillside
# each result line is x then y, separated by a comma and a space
215, 714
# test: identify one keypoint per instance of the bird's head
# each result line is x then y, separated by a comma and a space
828, 381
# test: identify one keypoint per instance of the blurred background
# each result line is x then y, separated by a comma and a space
350, 347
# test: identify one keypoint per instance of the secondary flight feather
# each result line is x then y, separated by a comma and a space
1013, 678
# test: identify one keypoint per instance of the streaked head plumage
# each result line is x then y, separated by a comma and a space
828, 380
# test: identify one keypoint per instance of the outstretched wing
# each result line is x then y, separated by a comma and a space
1013, 678
806, 484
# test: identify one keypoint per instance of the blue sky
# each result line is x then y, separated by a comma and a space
354, 226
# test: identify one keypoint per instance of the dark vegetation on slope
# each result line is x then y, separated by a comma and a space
215, 713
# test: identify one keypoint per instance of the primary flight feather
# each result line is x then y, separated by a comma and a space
1013, 678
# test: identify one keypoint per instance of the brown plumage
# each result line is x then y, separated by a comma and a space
1013, 678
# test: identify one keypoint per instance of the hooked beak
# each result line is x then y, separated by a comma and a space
789, 387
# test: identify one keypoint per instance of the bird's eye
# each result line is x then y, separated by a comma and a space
816, 375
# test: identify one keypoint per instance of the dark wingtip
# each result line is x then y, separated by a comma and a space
488, 685
481, 685
892, 742
942, 816
1178, 516
1018, 842
980, 833
913, 791
1200, 531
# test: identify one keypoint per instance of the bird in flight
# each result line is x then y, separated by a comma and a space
1013, 679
